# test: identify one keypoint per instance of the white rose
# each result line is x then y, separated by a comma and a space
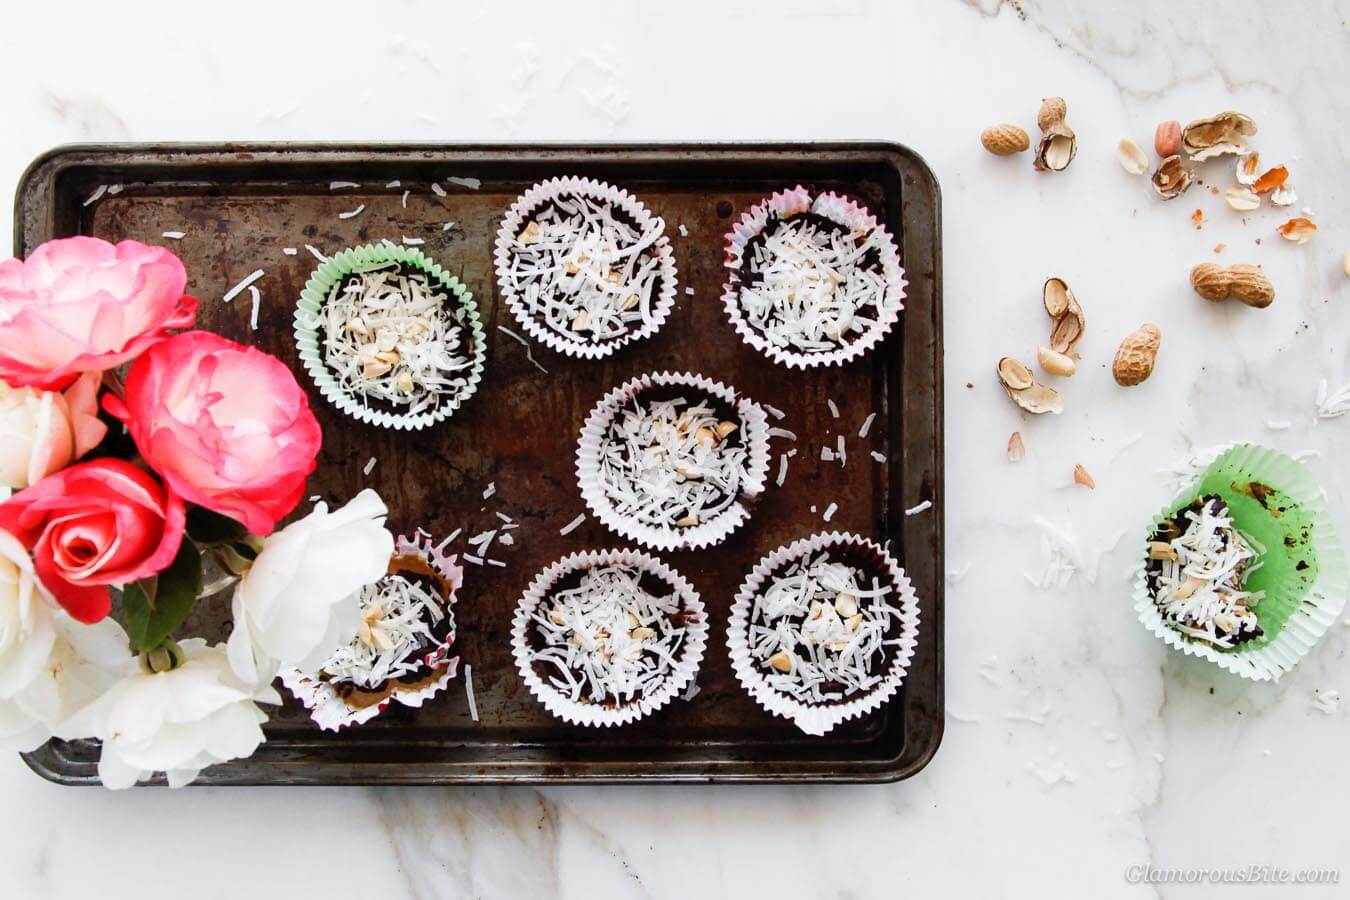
50, 665
43, 431
300, 601
177, 722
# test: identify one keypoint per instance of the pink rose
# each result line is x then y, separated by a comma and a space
95, 524
225, 425
44, 431
81, 304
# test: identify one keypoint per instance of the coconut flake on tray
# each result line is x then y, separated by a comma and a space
392, 336
242, 286
468, 692
529, 352
1197, 564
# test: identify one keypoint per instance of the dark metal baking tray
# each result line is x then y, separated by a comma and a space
241, 204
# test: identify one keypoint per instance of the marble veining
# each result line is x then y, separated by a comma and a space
1076, 745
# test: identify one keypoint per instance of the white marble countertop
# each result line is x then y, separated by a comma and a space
1076, 746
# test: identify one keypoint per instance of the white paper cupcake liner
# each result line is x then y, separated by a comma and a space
309, 328
592, 715
330, 711
818, 719
755, 432
514, 221
1321, 605
836, 208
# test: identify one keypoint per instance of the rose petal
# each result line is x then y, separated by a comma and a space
227, 426
83, 305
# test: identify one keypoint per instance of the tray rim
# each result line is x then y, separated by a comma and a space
37, 181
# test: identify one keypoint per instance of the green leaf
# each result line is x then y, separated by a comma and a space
210, 528
157, 606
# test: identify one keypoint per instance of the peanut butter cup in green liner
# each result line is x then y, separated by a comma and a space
1243, 568
389, 336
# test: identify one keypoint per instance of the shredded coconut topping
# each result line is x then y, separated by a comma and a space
241, 286
810, 286
818, 633
672, 462
529, 353
1332, 405
608, 640
396, 337
1196, 578
468, 692
584, 272
397, 615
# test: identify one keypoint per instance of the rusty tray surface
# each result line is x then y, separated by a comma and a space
241, 204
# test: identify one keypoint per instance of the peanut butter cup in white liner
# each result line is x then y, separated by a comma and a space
673, 460
604, 638
585, 267
1294, 586
828, 283
810, 623
336, 702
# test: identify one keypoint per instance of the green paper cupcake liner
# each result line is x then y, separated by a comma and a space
309, 340
1274, 500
